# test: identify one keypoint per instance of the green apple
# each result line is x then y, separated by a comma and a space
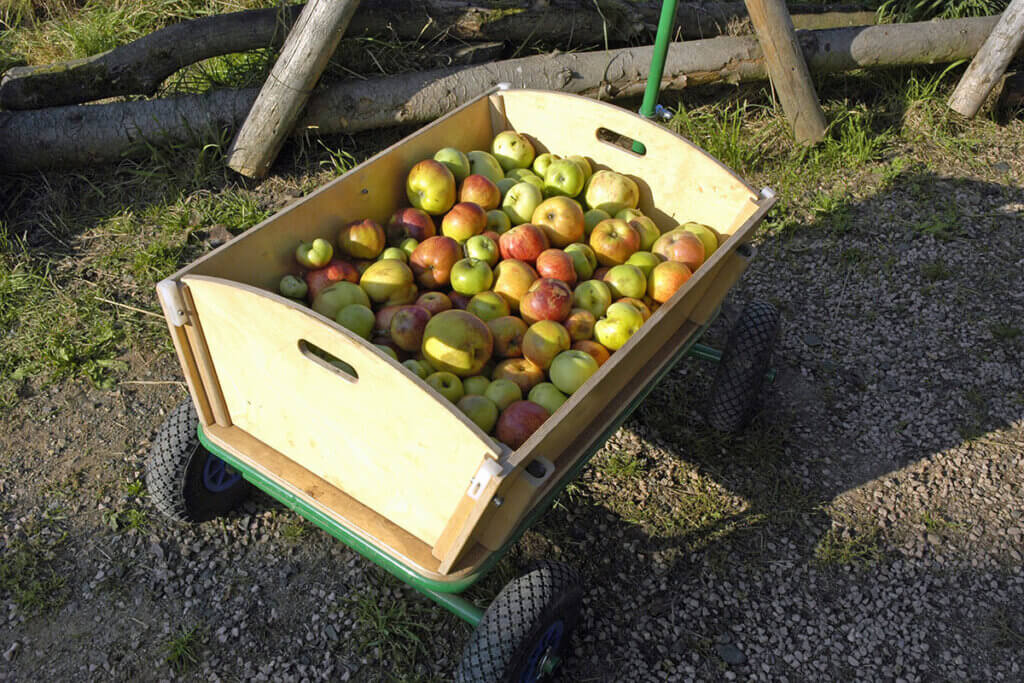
521, 174
621, 321
563, 178
506, 184
455, 160
471, 276
498, 221
483, 248
512, 150
418, 368
430, 186
520, 202
293, 287
315, 254
570, 369
584, 165
485, 164
706, 235
648, 230
542, 161
626, 280
592, 218
458, 342
583, 259
534, 180
593, 295
547, 396
337, 296
477, 384
481, 410
504, 392
408, 245
447, 384
488, 305
611, 191
394, 253
645, 261
357, 318
387, 350
628, 214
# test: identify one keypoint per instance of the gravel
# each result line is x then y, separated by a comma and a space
897, 415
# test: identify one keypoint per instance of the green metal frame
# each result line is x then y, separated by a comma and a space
445, 593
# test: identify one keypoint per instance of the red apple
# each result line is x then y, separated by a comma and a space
407, 326
681, 246
561, 219
382, 319
508, 332
600, 272
435, 302
543, 341
409, 222
430, 186
557, 264
547, 299
460, 301
432, 261
335, 271
464, 220
518, 422
363, 239
524, 243
580, 324
457, 342
613, 241
523, 372
480, 190
666, 278
600, 353
512, 279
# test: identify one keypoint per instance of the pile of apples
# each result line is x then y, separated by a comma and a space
507, 283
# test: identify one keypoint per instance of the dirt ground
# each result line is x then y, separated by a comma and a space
867, 526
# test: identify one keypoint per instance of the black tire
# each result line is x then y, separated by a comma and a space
736, 392
532, 618
178, 472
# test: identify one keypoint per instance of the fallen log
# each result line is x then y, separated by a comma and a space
92, 134
139, 67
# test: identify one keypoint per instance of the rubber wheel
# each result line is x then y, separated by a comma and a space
527, 626
736, 392
186, 482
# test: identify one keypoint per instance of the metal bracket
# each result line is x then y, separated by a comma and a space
170, 296
488, 470
767, 193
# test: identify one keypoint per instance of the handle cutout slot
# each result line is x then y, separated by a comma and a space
623, 142
328, 361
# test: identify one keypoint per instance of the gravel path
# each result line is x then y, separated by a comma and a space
868, 526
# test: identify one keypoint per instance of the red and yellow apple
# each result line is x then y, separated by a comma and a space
666, 278
335, 271
512, 279
524, 242
508, 332
561, 219
557, 264
432, 261
613, 241
524, 372
363, 239
480, 190
430, 186
407, 327
518, 422
543, 341
546, 299
598, 352
464, 220
410, 222
682, 246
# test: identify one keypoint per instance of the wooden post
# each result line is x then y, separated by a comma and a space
787, 69
309, 46
988, 65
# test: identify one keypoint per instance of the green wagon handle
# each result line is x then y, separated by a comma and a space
661, 42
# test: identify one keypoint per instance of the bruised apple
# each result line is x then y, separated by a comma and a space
335, 271
407, 327
512, 279
518, 422
580, 324
547, 299
410, 222
432, 261
508, 332
458, 342
435, 302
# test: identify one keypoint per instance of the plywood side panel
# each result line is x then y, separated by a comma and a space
374, 189
678, 182
385, 439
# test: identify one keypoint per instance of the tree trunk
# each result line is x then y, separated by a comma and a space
139, 67
83, 135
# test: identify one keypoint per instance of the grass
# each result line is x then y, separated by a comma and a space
181, 651
30, 572
1004, 331
393, 629
860, 547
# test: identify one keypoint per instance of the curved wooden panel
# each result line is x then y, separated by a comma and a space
385, 438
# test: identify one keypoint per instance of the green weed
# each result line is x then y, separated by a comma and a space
29, 571
394, 627
123, 520
623, 464
936, 271
1004, 332
861, 548
181, 650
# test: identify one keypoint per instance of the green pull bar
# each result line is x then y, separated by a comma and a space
661, 41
